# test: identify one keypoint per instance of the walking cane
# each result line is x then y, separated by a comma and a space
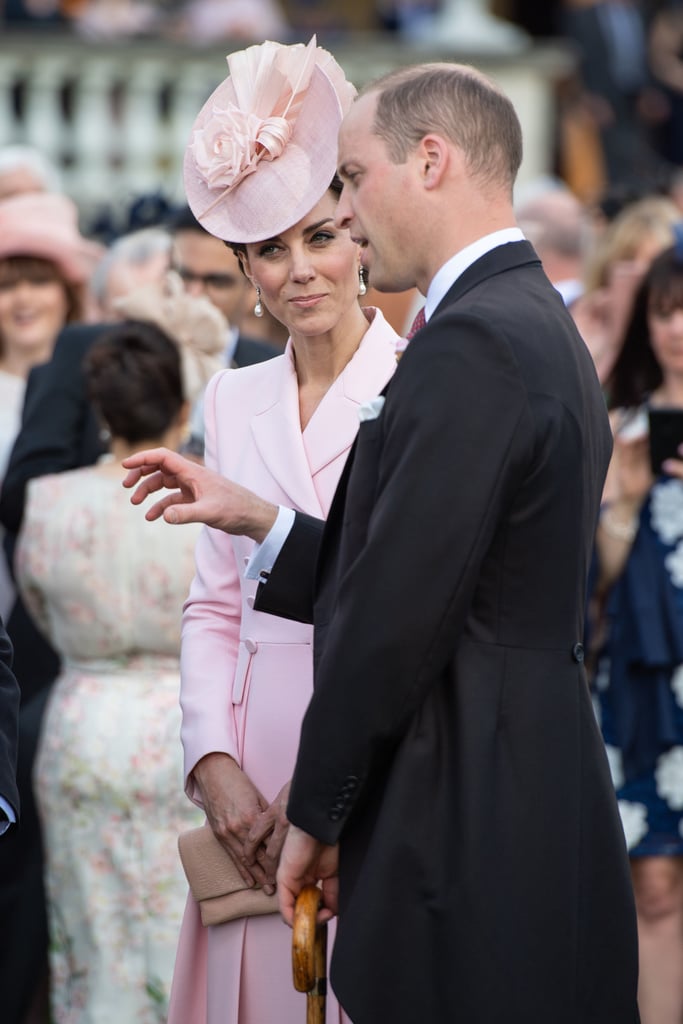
309, 954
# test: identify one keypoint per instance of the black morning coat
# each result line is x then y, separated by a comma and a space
450, 745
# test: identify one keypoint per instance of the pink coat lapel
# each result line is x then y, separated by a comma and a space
295, 460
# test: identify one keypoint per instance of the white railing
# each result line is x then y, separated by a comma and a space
115, 118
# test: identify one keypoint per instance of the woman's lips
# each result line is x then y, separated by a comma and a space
306, 301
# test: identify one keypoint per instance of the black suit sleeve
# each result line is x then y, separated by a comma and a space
290, 587
59, 430
9, 712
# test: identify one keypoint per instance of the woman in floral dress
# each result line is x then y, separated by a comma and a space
639, 678
107, 587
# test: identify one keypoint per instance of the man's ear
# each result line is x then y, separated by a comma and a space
434, 155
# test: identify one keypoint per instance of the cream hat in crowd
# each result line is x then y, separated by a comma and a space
198, 328
263, 149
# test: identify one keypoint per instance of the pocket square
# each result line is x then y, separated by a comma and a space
370, 410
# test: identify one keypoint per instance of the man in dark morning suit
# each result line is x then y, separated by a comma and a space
451, 793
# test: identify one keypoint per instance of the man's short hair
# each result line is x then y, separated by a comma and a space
183, 219
454, 101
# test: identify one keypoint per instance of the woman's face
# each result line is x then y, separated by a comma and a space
666, 338
308, 275
33, 309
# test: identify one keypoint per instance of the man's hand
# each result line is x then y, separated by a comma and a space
199, 495
306, 861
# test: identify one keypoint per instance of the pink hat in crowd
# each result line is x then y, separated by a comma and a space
263, 149
45, 225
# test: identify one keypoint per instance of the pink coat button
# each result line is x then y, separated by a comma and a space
251, 645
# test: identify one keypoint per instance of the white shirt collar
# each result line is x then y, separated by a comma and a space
446, 277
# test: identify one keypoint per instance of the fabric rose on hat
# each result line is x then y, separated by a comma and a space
270, 82
232, 143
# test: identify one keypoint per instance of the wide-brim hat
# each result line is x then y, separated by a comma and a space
45, 225
263, 149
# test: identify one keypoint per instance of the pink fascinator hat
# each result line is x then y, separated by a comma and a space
263, 149
45, 225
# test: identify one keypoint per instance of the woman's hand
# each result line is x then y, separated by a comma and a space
601, 316
628, 481
268, 833
592, 314
674, 467
632, 472
629, 477
233, 805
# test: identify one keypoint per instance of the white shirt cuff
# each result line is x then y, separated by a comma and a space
264, 555
4, 825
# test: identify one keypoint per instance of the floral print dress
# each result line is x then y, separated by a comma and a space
107, 588
639, 680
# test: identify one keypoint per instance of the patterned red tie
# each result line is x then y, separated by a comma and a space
416, 325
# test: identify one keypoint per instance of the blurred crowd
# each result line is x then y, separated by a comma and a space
620, 108
108, 339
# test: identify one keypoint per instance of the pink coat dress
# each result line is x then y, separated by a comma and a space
246, 676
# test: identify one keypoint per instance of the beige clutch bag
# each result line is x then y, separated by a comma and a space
215, 883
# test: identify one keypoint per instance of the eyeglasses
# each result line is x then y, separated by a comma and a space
213, 282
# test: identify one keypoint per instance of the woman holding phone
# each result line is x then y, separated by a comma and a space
639, 675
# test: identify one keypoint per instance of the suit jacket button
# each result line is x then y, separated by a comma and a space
251, 645
577, 653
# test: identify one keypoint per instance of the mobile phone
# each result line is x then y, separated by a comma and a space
666, 436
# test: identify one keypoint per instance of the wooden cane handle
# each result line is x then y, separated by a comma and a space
307, 935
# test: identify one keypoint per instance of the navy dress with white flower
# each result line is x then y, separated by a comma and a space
639, 681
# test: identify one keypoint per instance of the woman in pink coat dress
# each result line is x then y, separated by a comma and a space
284, 429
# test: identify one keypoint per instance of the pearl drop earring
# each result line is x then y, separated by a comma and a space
362, 287
258, 308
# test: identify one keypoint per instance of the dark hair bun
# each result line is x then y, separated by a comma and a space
133, 378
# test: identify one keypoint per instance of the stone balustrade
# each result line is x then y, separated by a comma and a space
115, 117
